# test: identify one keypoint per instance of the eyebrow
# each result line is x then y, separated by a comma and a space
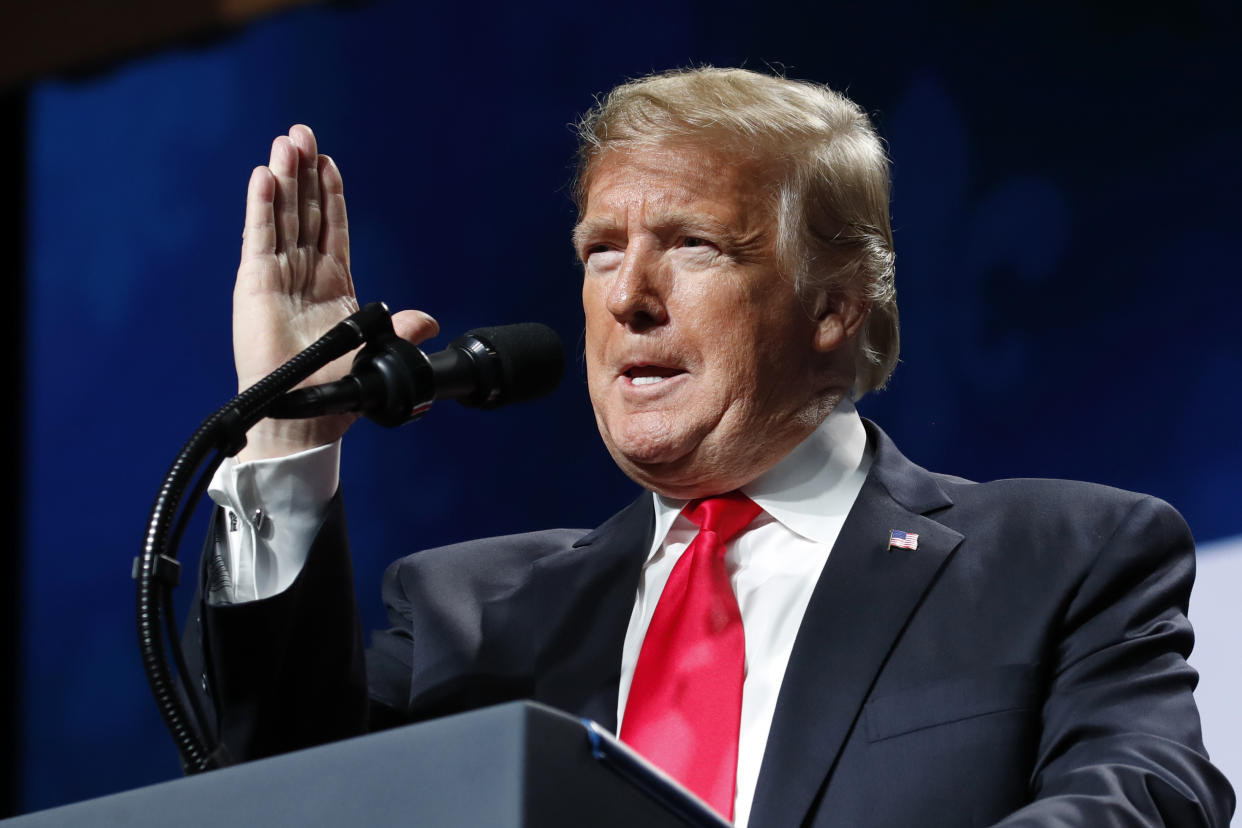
591, 227
661, 220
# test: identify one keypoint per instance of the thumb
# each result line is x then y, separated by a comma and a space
414, 326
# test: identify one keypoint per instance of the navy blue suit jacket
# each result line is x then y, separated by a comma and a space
1026, 664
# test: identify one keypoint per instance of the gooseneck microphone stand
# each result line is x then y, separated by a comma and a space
157, 571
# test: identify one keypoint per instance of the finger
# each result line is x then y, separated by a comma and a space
308, 184
414, 326
284, 167
334, 239
259, 234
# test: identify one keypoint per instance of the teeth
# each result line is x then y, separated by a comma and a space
647, 380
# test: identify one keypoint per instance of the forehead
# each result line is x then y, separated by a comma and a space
653, 183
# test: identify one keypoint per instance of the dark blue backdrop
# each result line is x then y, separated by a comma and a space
1068, 256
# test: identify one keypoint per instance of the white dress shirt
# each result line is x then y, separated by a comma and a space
272, 511
773, 565
273, 508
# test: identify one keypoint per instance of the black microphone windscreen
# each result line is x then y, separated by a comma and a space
528, 357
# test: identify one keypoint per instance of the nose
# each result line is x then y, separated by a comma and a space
636, 294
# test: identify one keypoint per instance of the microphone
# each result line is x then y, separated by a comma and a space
393, 382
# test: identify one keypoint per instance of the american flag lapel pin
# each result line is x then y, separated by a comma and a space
902, 540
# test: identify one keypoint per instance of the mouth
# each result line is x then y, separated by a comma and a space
647, 375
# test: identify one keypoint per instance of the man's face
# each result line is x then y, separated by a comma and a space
701, 361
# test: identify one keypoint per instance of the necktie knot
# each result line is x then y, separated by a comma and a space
724, 515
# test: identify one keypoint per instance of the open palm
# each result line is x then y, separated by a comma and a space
294, 283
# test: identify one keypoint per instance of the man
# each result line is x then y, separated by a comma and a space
796, 621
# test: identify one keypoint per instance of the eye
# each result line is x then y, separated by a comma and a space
590, 250
601, 257
694, 241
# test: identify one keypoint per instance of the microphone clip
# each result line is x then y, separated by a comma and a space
396, 383
393, 382
390, 381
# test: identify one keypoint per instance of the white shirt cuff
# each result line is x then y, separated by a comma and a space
272, 511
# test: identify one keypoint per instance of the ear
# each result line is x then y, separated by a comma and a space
839, 321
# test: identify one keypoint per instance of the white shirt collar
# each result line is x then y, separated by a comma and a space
811, 489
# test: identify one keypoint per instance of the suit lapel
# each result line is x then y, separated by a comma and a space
859, 608
584, 597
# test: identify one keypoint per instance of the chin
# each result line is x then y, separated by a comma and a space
645, 455
656, 456
684, 477
647, 439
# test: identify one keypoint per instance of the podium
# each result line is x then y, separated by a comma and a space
517, 765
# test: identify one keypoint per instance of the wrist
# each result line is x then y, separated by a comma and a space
269, 439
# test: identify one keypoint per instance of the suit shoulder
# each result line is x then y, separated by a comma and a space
1092, 513
1026, 492
487, 566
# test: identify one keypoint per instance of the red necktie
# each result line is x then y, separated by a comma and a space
685, 704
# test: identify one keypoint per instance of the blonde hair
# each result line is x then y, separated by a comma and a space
833, 233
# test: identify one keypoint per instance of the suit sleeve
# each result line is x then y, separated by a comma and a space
1121, 741
284, 672
290, 671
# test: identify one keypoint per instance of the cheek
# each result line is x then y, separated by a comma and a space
739, 349
588, 300
595, 326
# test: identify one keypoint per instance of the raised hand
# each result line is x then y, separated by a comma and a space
294, 283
